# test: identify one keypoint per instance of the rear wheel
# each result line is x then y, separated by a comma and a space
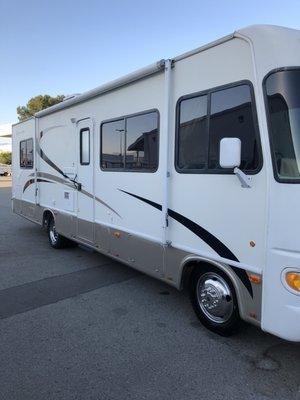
5, 174
214, 300
56, 240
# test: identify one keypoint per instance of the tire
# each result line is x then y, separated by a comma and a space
214, 300
56, 240
5, 174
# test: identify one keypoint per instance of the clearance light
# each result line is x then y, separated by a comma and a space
293, 280
255, 278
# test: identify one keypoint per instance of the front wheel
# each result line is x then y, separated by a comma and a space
214, 300
56, 240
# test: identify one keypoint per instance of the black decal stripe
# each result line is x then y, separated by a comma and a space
68, 182
151, 203
207, 237
31, 181
215, 244
54, 178
57, 179
43, 180
28, 183
99, 201
49, 162
242, 274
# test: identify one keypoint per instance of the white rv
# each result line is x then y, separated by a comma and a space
187, 170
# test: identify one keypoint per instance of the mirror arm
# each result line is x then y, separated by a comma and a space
243, 178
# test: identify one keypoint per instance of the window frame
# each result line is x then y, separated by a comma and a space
268, 117
26, 166
124, 117
208, 92
87, 129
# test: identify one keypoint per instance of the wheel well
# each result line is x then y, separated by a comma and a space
47, 216
192, 265
187, 272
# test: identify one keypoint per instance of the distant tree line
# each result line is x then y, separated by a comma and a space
5, 157
36, 104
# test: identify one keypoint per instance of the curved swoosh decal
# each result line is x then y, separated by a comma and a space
57, 179
54, 178
99, 201
203, 234
31, 181
211, 240
67, 181
48, 161
151, 203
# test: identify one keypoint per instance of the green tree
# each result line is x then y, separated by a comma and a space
5, 157
36, 104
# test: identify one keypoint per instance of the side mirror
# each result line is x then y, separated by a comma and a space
230, 152
230, 157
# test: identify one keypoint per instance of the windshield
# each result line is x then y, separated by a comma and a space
283, 101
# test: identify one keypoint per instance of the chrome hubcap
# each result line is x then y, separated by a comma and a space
53, 233
215, 297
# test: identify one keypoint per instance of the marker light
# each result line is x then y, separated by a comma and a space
255, 278
293, 280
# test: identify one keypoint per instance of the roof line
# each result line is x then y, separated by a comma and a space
21, 122
127, 79
107, 87
204, 47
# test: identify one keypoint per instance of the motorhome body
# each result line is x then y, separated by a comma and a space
134, 170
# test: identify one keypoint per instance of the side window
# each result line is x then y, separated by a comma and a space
112, 144
23, 157
26, 153
141, 142
29, 150
200, 129
85, 146
231, 115
192, 133
130, 143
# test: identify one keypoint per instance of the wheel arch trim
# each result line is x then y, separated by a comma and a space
190, 262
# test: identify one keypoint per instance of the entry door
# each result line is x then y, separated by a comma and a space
85, 178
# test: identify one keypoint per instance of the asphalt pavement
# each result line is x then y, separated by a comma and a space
76, 325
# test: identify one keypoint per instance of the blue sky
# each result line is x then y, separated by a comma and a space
64, 46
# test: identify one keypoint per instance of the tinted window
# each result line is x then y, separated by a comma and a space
85, 146
232, 116
283, 101
29, 149
112, 151
205, 120
23, 158
131, 143
26, 153
192, 135
142, 141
